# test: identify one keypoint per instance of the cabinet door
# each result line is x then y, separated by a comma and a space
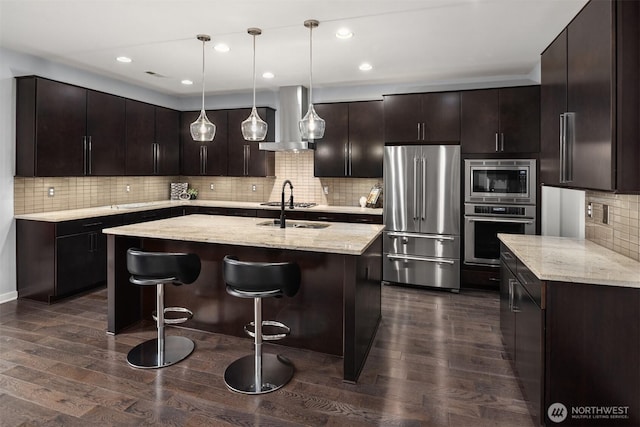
81, 262
244, 157
441, 120
507, 317
402, 116
366, 142
529, 348
214, 155
167, 136
480, 121
331, 156
590, 85
61, 115
140, 136
553, 102
520, 119
106, 133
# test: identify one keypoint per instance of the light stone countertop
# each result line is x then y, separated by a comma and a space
573, 260
74, 214
339, 238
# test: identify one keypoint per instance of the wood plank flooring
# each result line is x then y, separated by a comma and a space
438, 360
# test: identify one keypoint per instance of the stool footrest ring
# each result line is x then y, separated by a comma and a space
269, 337
174, 321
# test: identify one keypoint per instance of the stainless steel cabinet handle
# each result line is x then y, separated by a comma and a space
346, 157
507, 255
562, 149
568, 146
418, 258
502, 141
418, 138
424, 127
92, 224
511, 282
90, 156
203, 159
84, 152
497, 143
350, 160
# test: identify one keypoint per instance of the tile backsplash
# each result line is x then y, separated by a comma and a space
622, 233
31, 195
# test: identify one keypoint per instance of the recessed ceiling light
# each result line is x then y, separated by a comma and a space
268, 75
365, 66
221, 47
344, 33
124, 59
187, 82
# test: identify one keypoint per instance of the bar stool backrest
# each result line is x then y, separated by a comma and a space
165, 266
261, 276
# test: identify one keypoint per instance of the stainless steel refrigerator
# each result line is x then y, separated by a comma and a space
422, 215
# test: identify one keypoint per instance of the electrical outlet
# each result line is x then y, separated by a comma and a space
51, 192
590, 210
253, 187
325, 189
128, 188
211, 186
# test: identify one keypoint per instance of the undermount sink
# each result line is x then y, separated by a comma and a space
294, 224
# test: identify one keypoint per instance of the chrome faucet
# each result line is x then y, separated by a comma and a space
282, 218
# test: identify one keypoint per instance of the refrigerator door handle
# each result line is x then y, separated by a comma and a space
420, 236
415, 188
424, 188
419, 258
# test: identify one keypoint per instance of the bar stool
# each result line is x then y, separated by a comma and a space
258, 373
158, 268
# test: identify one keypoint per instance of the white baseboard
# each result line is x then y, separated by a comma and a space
9, 296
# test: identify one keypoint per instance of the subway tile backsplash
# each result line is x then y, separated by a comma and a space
622, 233
31, 195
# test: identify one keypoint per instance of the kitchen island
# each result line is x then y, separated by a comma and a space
336, 311
570, 320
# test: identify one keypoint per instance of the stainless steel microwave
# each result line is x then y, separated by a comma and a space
500, 181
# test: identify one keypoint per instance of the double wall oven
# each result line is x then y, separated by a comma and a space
500, 197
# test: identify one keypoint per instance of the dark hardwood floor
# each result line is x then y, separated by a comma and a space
437, 360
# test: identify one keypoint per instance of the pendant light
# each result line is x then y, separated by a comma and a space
311, 125
254, 128
202, 129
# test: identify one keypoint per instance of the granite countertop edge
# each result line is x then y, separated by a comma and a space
563, 259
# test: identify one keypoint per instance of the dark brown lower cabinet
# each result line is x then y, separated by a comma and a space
575, 348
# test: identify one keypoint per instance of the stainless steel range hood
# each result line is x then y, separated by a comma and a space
293, 101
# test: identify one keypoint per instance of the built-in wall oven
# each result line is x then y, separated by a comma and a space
500, 197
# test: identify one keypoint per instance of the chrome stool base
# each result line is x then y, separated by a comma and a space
148, 355
240, 376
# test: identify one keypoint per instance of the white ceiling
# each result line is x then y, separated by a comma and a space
425, 41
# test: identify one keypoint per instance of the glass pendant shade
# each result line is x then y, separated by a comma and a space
202, 130
312, 125
254, 128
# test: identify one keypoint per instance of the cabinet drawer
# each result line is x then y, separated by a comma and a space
152, 215
508, 258
430, 245
530, 282
86, 225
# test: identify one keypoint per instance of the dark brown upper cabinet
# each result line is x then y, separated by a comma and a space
505, 120
204, 158
422, 118
152, 139
66, 130
245, 157
590, 84
353, 142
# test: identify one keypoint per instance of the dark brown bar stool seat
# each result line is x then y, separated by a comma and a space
158, 268
258, 373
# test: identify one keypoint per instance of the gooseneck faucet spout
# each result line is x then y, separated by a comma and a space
282, 217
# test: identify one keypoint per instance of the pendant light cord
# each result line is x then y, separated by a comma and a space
310, 64
203, 43
254, 71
